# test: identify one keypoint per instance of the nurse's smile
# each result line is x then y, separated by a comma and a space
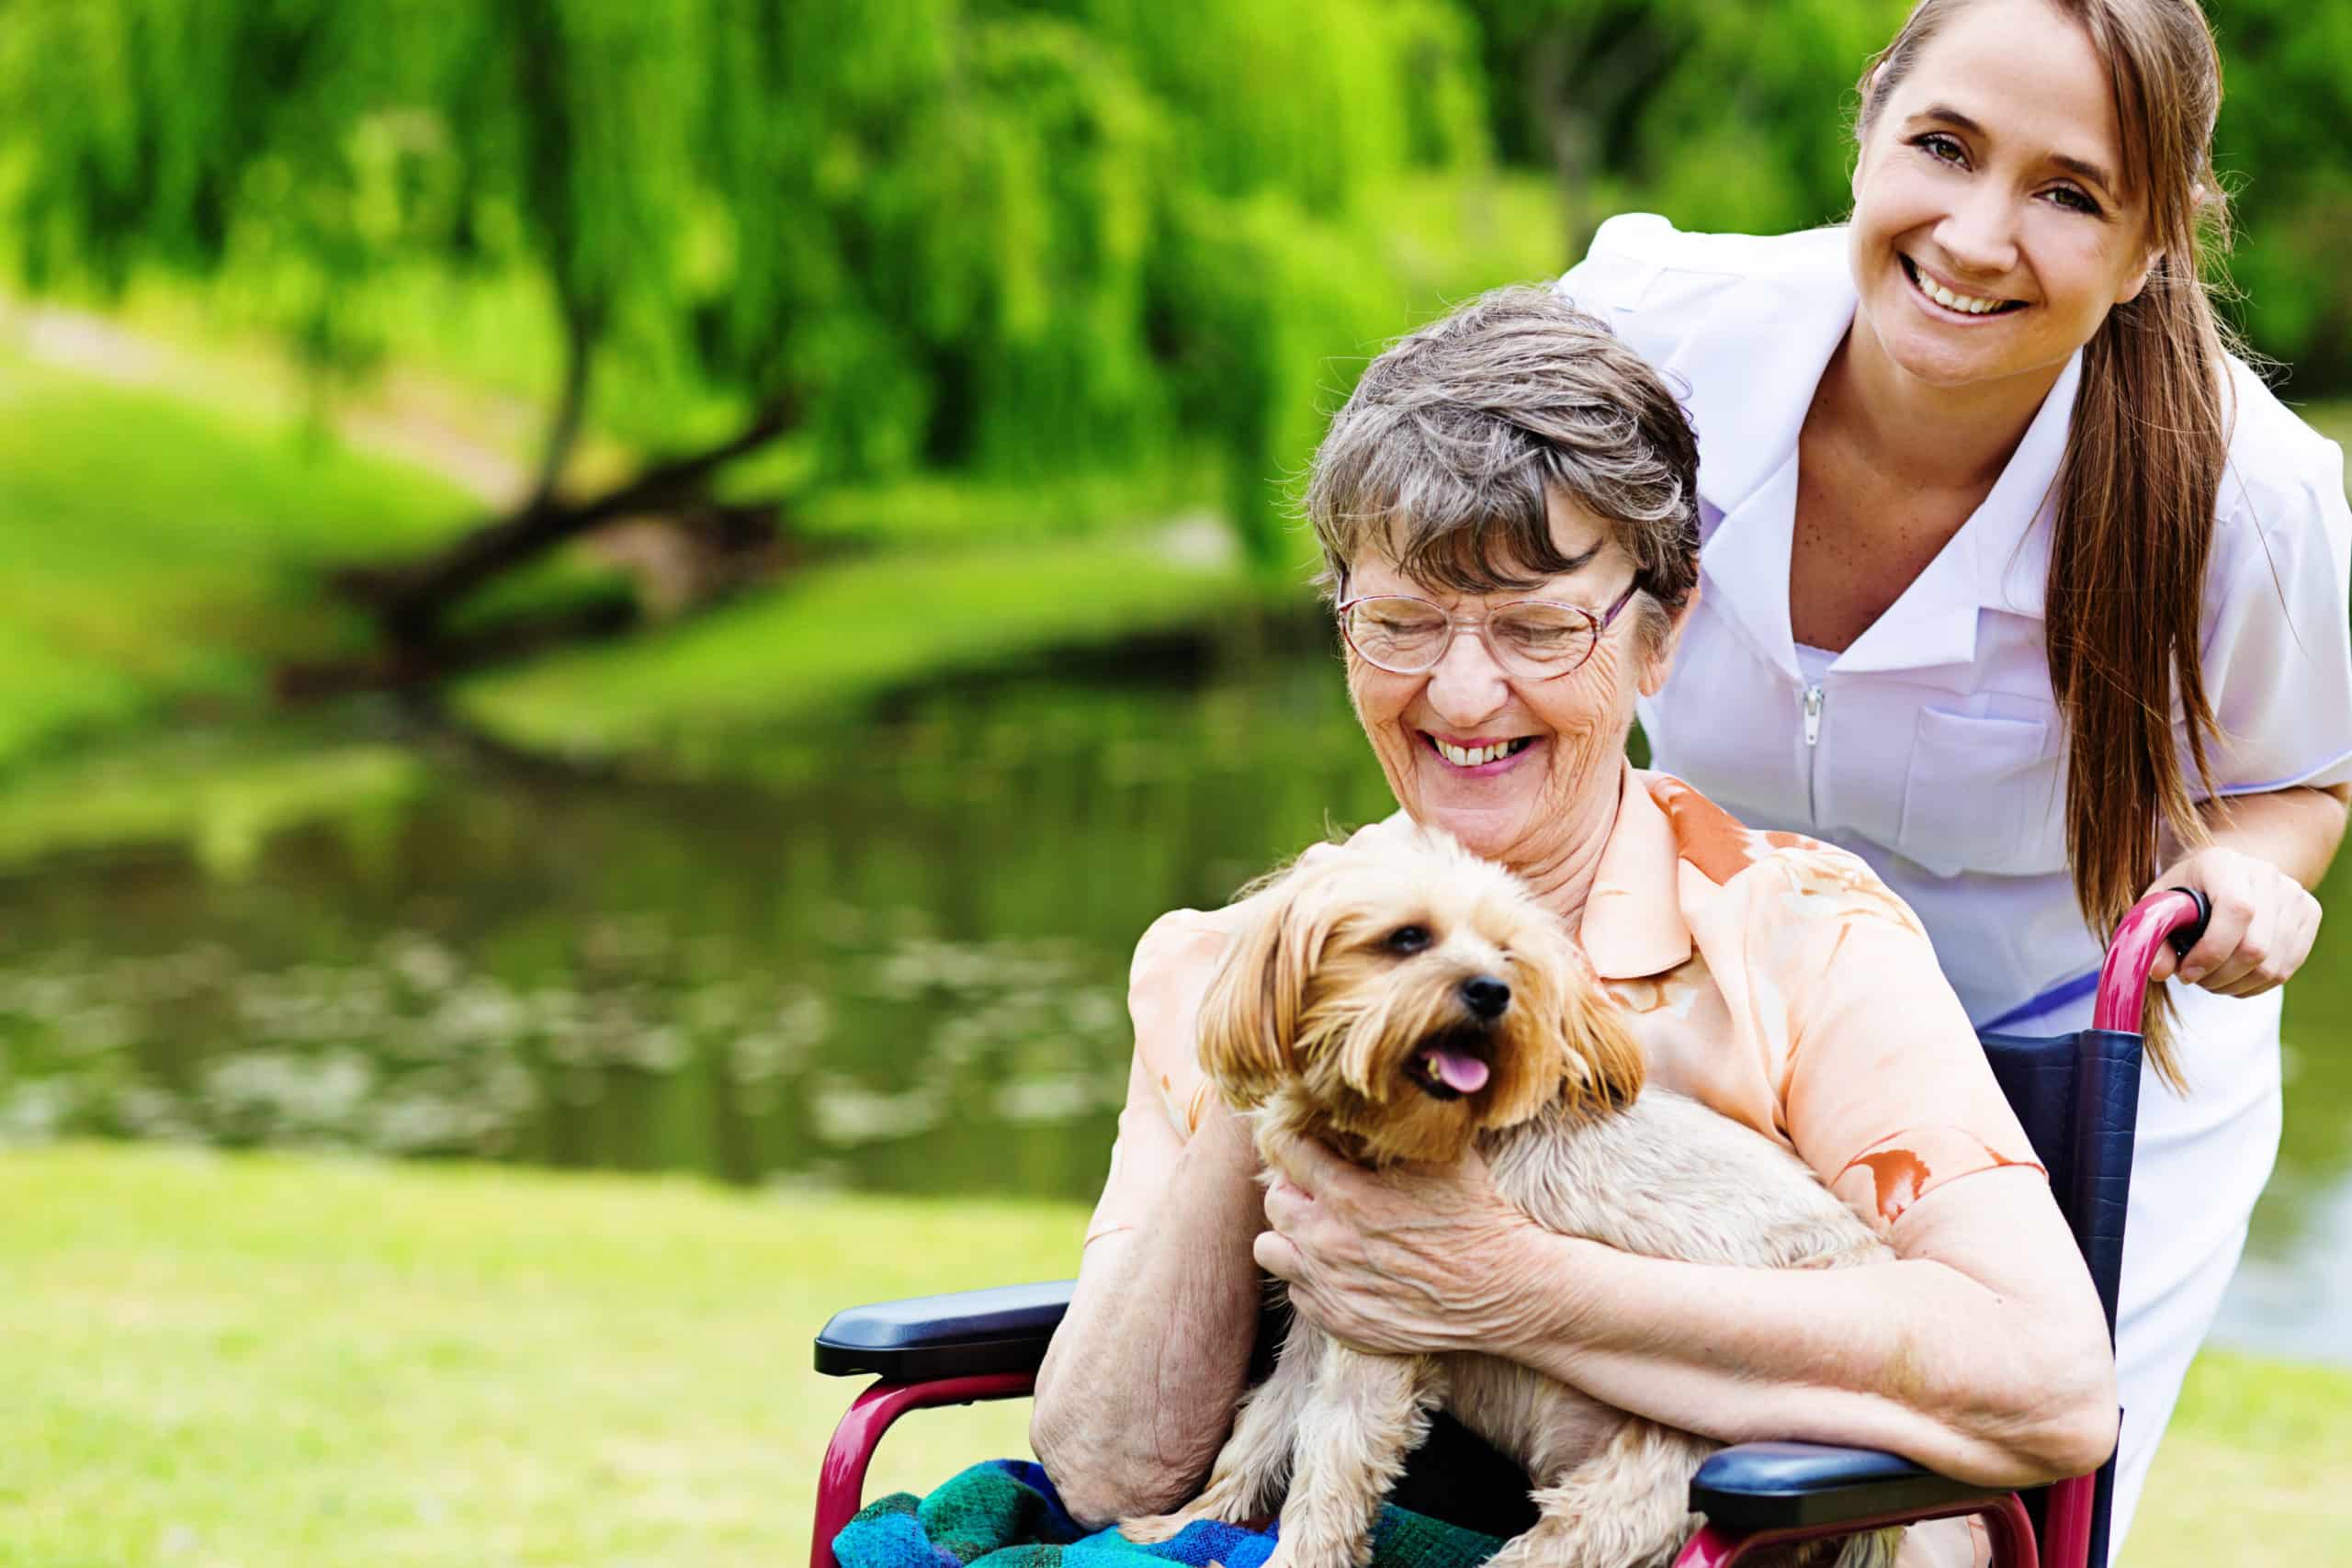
1947, 301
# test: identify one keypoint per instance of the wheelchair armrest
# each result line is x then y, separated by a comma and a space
1760, 1486
964, 1334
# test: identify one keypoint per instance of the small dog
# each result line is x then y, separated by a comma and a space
1400, 1003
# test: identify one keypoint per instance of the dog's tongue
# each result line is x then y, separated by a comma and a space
1462, 1073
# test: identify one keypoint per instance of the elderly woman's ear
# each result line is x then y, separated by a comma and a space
1657, 653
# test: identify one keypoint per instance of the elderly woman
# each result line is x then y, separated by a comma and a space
1507, 508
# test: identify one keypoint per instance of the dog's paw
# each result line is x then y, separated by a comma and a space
1150, 1529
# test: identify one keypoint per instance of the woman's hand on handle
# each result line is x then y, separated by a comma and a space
2268, 849
2263, 925
2262, 929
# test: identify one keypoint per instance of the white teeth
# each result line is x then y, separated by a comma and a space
1952, 301
1470, 756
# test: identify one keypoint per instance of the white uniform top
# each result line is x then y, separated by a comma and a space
1933, 747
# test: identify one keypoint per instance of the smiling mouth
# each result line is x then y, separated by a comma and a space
1963, 304
1477, 756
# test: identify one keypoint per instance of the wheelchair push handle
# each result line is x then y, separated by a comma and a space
2174, 917
2185, 937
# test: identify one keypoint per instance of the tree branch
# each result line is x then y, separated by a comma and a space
410, 599
416, 667
581, 330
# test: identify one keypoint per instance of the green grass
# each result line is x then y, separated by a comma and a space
2253, 1472
829, 638
262, 1360
217, 1361
154, 553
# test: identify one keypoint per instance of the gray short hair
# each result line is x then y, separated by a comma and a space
1440, 458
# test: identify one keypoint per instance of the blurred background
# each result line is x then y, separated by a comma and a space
666, 585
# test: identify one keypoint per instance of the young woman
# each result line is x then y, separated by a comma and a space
2016, 584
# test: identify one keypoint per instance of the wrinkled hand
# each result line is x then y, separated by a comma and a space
2262, 926
1412, 1259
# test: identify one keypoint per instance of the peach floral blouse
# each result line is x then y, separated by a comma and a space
1768, 975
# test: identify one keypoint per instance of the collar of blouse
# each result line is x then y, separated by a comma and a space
1633, 924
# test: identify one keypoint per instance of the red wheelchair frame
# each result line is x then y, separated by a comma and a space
2078, 1095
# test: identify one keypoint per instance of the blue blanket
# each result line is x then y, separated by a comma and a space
1004, 1514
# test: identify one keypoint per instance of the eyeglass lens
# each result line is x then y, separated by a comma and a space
1406, 636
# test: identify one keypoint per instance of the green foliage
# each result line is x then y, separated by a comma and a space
986, 240
962, 236
2281, 149
1725, 114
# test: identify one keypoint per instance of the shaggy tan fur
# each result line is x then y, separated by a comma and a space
1342, 1014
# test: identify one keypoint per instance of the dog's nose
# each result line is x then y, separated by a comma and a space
1486, 996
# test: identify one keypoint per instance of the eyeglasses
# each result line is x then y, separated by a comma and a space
1531, 639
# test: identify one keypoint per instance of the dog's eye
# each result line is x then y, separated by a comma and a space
1407, 939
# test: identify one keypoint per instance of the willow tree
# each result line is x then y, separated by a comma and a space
2281, 149
884, 236
1725, 114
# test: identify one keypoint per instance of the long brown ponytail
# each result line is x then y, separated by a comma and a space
2144, 455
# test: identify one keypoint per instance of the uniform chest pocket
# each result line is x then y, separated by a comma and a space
1985, 793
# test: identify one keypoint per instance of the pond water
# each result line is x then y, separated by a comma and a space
891, 959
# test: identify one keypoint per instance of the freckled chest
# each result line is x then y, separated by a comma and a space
1859, 539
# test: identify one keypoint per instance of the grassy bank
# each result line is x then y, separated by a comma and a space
258, 1361
837, 635
158, 557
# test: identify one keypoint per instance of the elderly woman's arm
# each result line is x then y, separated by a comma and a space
1139, 1387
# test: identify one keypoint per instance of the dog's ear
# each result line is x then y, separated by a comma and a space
1599, 1066
1250, 1017
1599, 1040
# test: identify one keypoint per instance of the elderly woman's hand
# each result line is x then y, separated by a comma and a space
1407, 1260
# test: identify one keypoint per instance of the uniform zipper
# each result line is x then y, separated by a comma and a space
1813, 699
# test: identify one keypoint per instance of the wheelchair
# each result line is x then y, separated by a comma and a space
2078, 1095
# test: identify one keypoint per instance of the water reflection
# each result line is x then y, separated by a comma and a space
897, 962
893, 959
